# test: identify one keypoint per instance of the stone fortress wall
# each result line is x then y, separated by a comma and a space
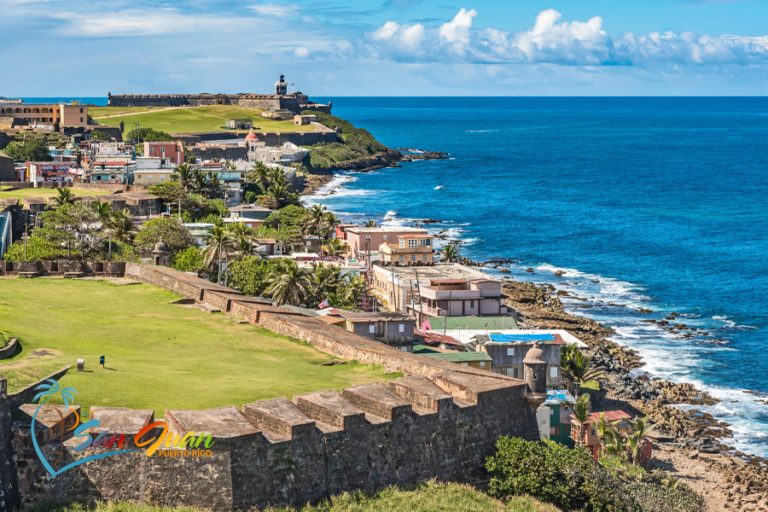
294, 102
439, 421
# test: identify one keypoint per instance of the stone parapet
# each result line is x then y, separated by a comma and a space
282, 452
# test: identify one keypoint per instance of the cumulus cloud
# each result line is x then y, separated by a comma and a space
456, 32
408, 37
553, 40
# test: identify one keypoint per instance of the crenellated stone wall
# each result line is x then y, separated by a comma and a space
439, 421
9, 492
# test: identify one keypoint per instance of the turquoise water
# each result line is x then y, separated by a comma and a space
658, 203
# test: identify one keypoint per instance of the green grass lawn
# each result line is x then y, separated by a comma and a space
210, 118
159, 355
430, 497
48, 192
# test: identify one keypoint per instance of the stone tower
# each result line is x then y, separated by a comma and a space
160, 253
535, 375
281, 86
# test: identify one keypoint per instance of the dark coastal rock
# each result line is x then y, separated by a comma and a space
413, 155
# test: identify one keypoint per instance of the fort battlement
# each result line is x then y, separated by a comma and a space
438, 421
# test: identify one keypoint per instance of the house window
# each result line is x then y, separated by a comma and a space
402, 243
371, 329
426, 241
412, 242
510, 351
401, 327
482, 364
464, 364
509, 371
471, 304
553, 372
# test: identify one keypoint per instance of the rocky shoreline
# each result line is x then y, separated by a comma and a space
694, 434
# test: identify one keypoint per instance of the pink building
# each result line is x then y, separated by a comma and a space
361, 240
172, 152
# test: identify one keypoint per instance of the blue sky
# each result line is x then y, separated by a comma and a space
385, 47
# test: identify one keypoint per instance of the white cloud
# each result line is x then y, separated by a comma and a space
554, 41
301, 52
407, 37
456, 32
275, 10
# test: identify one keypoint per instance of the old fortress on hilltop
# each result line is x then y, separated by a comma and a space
280, 100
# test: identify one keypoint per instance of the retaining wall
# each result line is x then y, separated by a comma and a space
440, 421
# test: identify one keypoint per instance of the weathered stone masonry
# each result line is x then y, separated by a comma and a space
440, 421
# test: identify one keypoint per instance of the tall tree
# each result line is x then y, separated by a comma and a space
578, 370
450, 252
220, 243
287, 284
63, 196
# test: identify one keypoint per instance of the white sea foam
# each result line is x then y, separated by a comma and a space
615, 303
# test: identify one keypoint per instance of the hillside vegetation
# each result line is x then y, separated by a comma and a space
430, 497
357, 147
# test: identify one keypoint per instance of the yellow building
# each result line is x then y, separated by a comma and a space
410, 249
61, 116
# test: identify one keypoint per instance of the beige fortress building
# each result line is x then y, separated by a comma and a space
27, 115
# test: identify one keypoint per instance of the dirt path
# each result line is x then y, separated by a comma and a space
139, 113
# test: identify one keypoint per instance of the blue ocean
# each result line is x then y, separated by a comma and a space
643, 203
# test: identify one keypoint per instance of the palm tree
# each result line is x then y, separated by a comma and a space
450, 252
63, 196
103, 210
278, 194
370, 224
287, 284
577, 369
259, 176
355, 289
581, 413
242, 237
639, 428
322, 281
220, 242
334, 248
120, 225
316, 220
184, 175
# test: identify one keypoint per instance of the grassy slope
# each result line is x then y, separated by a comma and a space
47, 192
431, 497
159, 355
356, 144
190, 119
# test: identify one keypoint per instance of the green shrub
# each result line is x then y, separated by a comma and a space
570, 479
190, 259
38, 248
169, 229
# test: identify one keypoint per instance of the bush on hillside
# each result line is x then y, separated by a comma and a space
146, 135
34, 150
570, 479
169, 229
354, 143
190, 259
